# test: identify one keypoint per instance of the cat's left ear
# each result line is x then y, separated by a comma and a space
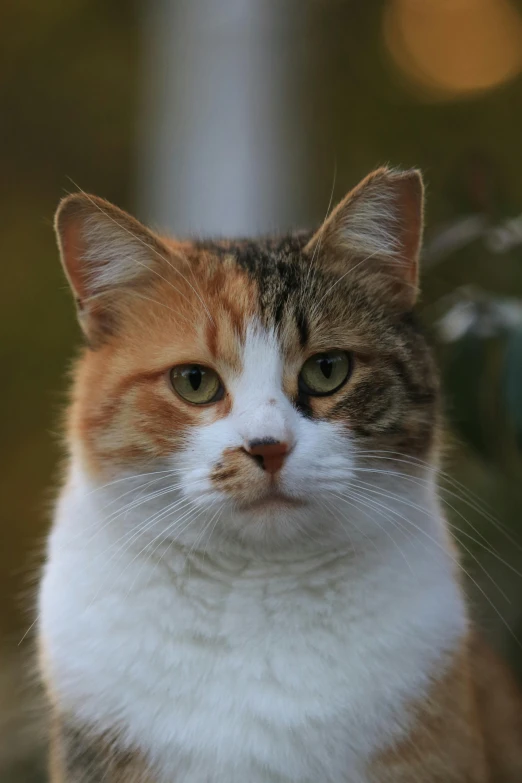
375, 234
104, 252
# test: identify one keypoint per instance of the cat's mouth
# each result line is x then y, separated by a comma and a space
272, 500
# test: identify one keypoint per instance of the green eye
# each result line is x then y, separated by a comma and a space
325, 373
196, 384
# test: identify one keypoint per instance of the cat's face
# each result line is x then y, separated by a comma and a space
266, 377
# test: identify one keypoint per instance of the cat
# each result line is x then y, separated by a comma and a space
249, 577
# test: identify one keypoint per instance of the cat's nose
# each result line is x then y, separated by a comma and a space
269, 453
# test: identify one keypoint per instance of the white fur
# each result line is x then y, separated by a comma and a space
113, 254
232, 656
261, 409
371, 225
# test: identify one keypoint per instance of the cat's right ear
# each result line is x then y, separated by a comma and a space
375, 233
102, 249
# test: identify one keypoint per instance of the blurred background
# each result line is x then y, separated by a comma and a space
249, 116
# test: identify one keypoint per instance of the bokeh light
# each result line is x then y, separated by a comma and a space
447, 48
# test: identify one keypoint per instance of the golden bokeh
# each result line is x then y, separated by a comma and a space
448, 48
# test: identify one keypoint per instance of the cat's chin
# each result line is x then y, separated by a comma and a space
271, 502
278, 523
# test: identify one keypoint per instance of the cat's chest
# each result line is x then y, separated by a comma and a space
264, 676
257, 650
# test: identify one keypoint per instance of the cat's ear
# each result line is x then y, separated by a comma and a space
376, 232
102, 249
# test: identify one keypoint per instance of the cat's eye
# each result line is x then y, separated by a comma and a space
196, 384
325, 373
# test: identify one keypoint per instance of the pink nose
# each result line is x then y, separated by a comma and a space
269, 453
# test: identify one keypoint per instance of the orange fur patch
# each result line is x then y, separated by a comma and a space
468, 729
239, 476
124, 410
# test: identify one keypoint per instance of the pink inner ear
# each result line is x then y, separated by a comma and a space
379, 221
409, 207
73, 252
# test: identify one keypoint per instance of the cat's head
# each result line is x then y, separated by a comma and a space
254, 386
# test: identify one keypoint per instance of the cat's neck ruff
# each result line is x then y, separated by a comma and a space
337, 641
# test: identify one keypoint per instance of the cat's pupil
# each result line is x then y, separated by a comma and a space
326, 366
195, 377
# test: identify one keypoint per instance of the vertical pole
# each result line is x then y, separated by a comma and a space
222, 144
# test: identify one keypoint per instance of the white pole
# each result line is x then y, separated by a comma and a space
222, 142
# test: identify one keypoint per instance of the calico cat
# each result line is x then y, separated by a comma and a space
249, 577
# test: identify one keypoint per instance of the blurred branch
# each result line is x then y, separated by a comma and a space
499, 238
471, 310
481, 336
453, 237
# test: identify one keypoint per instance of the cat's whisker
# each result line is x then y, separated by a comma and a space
462, 493
183, 256
357, 496
343, 276
359, 504
212, 531
136, 535
134, 504
131, 536
474, 582
165, 535
425, 482
406, 501
364, 534
135, 490
107, 520
201, 535
472, 555
317, 248
392, 510
156, 517
400, 458
98, 489
177, 313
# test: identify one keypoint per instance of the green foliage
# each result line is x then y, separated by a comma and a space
512, 383
465, 372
